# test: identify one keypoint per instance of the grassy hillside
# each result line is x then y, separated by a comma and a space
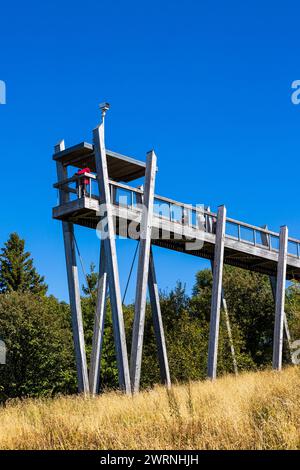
254, 411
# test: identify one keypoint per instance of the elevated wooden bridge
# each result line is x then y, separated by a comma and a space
246, 246
130, 211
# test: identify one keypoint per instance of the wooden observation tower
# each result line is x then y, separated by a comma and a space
102, 199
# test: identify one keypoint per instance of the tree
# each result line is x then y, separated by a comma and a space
40, 357
186, 340
17, 272
293, 309
90, 288
251, 309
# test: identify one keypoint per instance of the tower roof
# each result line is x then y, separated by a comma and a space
120, 167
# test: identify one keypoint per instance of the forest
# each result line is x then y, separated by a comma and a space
36, 328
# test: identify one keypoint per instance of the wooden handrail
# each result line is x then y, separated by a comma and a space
239, 224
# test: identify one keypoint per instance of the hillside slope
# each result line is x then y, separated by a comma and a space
254, 411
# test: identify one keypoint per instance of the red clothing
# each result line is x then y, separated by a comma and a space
81, 172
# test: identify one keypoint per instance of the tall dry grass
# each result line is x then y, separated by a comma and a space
253, 411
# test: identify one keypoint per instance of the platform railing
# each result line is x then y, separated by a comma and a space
176, 212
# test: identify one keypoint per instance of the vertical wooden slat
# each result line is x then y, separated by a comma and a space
216, 294
111, 261
73, 284
142, 273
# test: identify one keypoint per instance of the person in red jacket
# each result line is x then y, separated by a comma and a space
82, 183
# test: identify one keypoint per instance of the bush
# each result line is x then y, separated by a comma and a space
40, 358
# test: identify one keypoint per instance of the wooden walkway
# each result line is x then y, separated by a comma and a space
182, 227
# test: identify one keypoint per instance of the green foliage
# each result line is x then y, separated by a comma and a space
37, 329
90, 288
251, 305
186, 323
186, 336
251, 310
293, 310
17, 272
40, 358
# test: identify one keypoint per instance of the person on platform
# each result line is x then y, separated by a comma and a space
82, 183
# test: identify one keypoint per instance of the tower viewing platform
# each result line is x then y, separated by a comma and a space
175, 224
96, 190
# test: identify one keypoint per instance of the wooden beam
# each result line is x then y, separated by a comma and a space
158, 325
273, 282
73, 284
111, 261
229, 332
280, 298
285, 322
225, 309
228, 327
216, 294
97, 343
142, 273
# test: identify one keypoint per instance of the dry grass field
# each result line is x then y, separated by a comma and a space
253, 411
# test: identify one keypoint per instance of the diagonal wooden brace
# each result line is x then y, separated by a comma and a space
97, 343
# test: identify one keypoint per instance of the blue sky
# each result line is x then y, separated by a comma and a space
207, 85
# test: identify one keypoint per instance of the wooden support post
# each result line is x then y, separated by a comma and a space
229, 332
142, 273
280, 298
216, 293
111, 261
158, 325
97, 343
228, 327
285, 322
265, 241
73, 284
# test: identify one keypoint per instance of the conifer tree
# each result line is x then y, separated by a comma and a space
17, 272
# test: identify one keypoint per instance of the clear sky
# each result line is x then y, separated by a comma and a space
206, 84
